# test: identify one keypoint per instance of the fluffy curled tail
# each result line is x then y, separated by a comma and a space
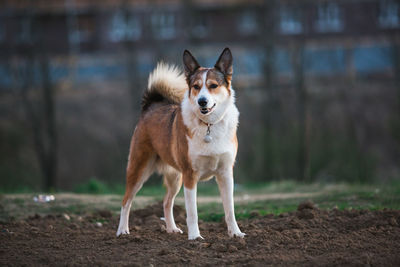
166, 84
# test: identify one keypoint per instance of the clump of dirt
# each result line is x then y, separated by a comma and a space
306, 210
308, 236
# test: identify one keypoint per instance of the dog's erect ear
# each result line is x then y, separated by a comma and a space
224, 62
190, 63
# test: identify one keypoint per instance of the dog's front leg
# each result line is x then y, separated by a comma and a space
225, 184
191, 211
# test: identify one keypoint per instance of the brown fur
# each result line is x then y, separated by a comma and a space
160, 132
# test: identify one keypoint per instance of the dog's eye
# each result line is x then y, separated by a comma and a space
196, 87
213, 86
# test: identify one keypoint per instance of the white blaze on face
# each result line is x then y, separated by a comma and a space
204, 92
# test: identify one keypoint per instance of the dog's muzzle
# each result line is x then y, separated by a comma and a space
205, 110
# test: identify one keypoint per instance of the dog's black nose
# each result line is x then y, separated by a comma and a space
202, 101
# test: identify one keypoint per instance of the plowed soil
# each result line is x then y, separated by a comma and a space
308, 236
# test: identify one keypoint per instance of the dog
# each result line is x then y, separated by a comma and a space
186, 132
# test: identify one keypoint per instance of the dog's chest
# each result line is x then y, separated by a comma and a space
210, 158
208, 166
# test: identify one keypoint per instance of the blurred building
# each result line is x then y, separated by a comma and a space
317, 83
339, 36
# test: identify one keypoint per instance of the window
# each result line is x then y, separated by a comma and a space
125, 27
25, 31
290, 20
133, 31
252, 62
247, 23
325, 61
163, 25
370, 59
328, 18
200, 27
83, 28
388, 14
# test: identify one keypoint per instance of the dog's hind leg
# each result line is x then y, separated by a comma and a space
141, 165
173, 182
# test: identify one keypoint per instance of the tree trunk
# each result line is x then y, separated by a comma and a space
50, 130
267, 39
302, 111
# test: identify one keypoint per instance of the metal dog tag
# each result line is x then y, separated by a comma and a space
207, 137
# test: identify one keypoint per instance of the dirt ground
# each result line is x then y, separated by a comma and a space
308, 236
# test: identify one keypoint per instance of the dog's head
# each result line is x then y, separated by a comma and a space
209, 88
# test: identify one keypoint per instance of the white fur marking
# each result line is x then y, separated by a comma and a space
191, 213
173, 180
204, 92
169, 80
123, 227
225, 184
169, 220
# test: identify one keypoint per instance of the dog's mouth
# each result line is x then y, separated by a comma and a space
207, 110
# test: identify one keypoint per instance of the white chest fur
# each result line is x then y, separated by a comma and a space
210, 158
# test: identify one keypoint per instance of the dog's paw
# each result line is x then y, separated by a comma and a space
237, 234
122, 232
174, 230
196, 237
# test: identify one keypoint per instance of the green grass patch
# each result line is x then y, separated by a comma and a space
340, 196
283, 197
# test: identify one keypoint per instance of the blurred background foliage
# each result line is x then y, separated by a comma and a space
317, 82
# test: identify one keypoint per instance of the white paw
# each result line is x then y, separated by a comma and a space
122, 232
194, 237
174, 230
237, 234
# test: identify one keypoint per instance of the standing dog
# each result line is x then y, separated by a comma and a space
187, 132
